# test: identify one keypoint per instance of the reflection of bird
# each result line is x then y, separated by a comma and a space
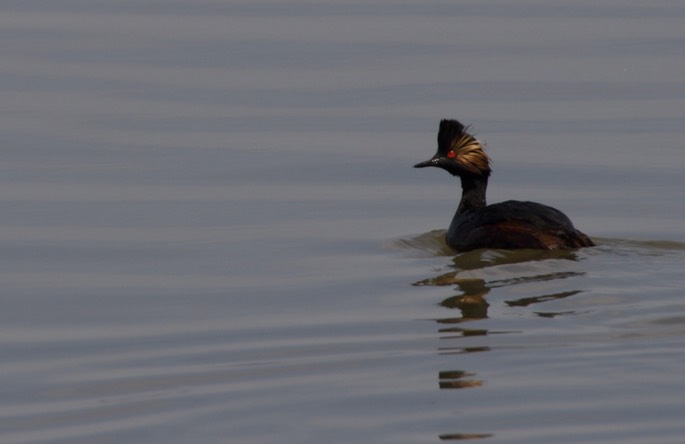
506, 225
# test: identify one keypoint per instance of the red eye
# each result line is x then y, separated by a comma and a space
451, 154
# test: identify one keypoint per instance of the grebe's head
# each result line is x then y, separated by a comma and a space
459, 153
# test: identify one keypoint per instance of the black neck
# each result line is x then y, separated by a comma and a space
472, 193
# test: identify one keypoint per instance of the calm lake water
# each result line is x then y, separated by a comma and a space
211, 231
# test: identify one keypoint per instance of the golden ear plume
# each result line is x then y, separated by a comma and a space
470, 154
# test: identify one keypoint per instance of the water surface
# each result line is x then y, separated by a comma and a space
211, 231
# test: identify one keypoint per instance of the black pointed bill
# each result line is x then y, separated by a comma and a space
436, 161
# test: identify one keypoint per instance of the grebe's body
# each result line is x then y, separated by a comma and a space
506, 225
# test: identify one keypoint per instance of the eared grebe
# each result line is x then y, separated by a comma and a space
507, 225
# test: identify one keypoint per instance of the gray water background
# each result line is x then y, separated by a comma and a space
211, 231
